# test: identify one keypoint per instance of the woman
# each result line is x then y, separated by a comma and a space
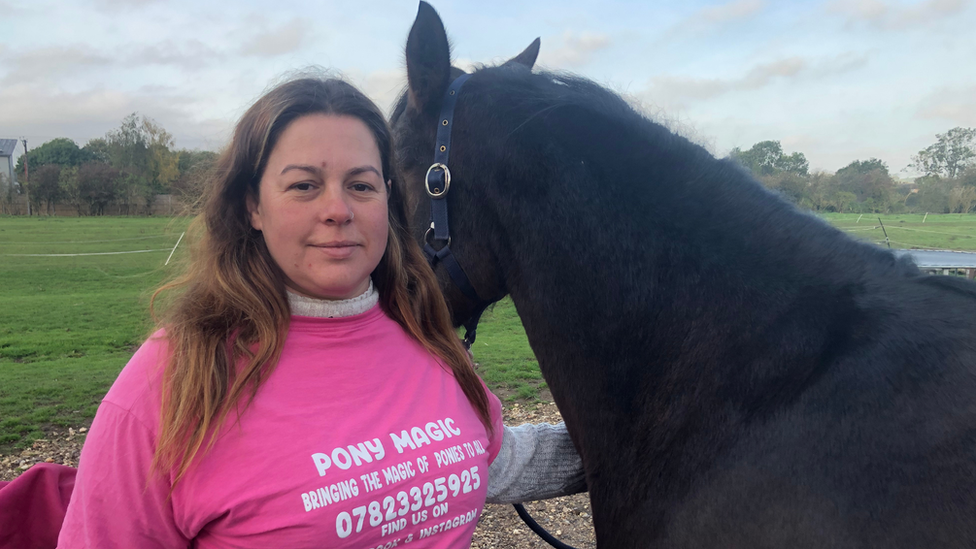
306, 388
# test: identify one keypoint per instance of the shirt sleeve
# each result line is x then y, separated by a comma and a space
535, 461
497, 425
116, 503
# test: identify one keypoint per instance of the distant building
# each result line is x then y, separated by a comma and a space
7, 147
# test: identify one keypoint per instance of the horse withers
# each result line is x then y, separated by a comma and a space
733, 372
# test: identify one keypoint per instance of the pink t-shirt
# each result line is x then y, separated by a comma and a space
359, 439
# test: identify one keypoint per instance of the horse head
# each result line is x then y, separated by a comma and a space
476, 239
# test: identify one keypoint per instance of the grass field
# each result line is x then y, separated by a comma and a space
68, 324
940, 232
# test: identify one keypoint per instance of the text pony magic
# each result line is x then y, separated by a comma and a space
345, 457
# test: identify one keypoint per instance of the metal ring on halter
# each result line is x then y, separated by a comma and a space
447, 179
431, 230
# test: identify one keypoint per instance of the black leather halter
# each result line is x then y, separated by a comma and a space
438, 183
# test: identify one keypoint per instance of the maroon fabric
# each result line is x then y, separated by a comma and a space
32, 506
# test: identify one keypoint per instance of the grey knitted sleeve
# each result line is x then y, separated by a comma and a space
536, 461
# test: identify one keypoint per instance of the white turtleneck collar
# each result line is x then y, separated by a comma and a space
328, 308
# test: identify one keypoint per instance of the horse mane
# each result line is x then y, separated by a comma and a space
655, 168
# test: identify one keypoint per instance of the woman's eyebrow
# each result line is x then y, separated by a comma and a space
315, 170
363, 169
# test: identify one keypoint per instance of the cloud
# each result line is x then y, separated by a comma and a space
28, 104
383, 87
840, 64
679, 91
43, 114
761, 75
709, 18
11, 9
189, 54
687, 88
113, 5
55, 63
890, 17
48, 64
572, 49
957, 106
286, 38
729, 12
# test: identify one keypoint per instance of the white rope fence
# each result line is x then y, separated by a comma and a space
897, 228
927, 231
170, 250
909, 245
906, 245
19, 243
90, 253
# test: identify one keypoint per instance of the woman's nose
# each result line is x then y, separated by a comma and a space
335, 207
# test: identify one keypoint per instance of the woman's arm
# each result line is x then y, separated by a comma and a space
536, 461
116, 502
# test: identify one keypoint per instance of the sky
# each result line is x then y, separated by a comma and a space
838, 80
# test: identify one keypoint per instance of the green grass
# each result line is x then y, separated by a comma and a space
506, 362
69, 324
59, 392
942, 232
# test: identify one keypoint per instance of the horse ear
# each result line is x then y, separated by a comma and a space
428, 60
528, 56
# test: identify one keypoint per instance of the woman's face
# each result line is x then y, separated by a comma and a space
322, 206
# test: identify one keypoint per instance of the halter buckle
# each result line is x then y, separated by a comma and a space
430, 231
437, 192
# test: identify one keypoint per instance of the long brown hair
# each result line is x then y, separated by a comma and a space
227, 322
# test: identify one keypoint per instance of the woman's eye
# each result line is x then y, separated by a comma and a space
361, 187
302, 186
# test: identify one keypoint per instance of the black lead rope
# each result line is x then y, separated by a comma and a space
539, 530
438, 183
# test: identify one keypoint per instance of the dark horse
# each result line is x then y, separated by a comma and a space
734, 373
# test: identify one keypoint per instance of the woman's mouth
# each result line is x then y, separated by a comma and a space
337, 249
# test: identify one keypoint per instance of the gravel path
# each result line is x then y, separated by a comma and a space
62, 447
567, 518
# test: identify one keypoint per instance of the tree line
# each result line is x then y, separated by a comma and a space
948, 183
133, 164
129, 167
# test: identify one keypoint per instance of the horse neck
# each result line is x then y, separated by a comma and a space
629, 256
627, 235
